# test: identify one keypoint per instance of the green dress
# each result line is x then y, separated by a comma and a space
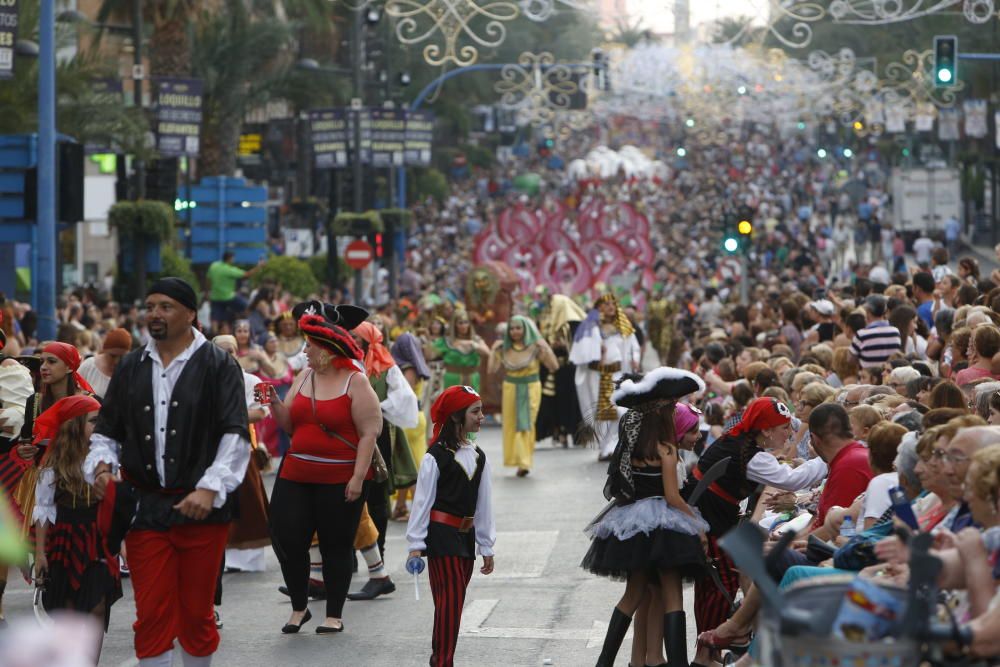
460, 368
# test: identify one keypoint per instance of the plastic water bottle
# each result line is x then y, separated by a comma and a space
847, 527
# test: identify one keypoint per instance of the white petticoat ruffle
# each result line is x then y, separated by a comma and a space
645, 516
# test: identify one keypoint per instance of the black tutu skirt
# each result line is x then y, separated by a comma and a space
647, 535
96, 585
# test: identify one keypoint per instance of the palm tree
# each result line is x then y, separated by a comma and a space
240, 58
631, 34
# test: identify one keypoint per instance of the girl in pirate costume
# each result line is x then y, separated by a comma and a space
452, 515
73, 557
651, 536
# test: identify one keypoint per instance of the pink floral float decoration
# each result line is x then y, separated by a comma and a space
569, 250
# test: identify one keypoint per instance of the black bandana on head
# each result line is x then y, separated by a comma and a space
176, 289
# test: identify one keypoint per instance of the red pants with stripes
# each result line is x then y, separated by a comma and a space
174, 574
449, 577
710, 606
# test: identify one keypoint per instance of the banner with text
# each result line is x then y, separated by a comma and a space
419, 138
8, 37
177, 106
329, 138
388, 129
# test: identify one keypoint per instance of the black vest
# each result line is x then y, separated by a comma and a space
720, 514
457, 494
208, 402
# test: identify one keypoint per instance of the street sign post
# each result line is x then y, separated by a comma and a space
227, 214
358, 254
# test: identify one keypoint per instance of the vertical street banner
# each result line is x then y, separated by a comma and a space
8, 37
388, 132
177, 109
419, 138
329, 132
364, 117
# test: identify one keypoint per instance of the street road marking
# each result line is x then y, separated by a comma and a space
476, 613
131, 662
595, 638
523, 554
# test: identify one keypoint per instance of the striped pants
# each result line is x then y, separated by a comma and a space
710, 607
449, 577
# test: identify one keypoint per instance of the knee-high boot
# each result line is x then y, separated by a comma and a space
675, 638
613, 640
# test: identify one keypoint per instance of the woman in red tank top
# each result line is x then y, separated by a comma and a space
333, 420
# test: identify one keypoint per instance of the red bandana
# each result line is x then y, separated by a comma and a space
48, 423
70, 356
449, 402
762, 413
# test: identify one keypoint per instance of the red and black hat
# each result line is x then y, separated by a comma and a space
345, 315
330, 337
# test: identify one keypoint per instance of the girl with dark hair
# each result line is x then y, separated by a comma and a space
650, 537
73, 558
452, 514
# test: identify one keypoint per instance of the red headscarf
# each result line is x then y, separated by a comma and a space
762, 413
70, 356
48, 423
449, 402
377, 358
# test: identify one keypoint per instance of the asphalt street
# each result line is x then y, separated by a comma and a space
538, 607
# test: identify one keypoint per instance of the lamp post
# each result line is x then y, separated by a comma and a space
45, 281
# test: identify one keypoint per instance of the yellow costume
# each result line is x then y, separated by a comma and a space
519, 442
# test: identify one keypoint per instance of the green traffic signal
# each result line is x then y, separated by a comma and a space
731, 244
945, 60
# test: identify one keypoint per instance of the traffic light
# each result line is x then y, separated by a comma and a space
379, 250
730, 237
730, 244
745, 226
945, 61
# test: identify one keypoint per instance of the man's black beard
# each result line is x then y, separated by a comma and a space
160, 335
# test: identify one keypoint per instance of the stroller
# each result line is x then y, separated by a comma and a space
796, 627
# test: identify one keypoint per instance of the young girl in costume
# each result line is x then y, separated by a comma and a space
452, 514
73, 559
651, 536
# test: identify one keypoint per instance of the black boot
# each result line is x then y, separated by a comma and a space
675, 638
613, 640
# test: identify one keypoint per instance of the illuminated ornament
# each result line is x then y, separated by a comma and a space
537, 87
452, 31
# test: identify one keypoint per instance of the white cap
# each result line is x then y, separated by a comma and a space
823, 307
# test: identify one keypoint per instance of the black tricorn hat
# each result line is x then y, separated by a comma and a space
345, 316
663, 383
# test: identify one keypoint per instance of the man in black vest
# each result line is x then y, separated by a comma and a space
174, 423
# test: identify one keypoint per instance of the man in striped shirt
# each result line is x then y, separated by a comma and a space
878, 340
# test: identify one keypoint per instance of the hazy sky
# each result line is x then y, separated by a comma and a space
659, 15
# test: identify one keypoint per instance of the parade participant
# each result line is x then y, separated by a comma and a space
766, 424
290, 340
334, 418
60, 374
249, 354
17, 399
520, 353
604, 348
461, 351
281, 376
559, 412
174, 423
72, 556
98, 369
249, 538
409, 356
651, 536
452, 515
399, 410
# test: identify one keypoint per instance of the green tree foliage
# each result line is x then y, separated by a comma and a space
177, 265
292, 273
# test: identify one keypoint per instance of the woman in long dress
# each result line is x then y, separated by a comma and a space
521, 352
406, 350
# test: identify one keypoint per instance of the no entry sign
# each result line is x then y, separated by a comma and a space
358, 254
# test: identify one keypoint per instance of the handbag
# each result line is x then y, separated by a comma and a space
381, 470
